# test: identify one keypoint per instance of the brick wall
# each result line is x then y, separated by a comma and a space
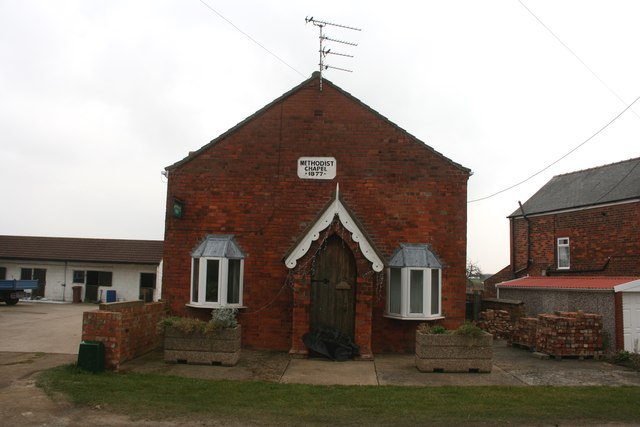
127, 329
246, 184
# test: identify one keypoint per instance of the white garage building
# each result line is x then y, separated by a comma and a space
129, 269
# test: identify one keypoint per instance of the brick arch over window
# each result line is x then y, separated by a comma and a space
366, 279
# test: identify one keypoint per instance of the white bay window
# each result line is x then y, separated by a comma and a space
414, 283
217, 268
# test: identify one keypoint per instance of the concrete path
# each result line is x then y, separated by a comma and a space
327, 372
512, 367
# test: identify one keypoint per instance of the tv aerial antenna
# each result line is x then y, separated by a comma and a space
324, 51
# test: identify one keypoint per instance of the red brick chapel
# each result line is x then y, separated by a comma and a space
317, 211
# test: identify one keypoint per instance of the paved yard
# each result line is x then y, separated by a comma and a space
42, 327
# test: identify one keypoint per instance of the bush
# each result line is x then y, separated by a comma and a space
425, 328
224, 318
469, 330
221, 318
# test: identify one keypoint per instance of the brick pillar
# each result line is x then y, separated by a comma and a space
300, 318
364, 317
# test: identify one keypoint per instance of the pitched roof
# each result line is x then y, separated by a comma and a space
592, 283
312, 80
611, 183
81, 249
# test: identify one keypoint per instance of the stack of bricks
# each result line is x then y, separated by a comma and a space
497, 323
524, 333
569, 334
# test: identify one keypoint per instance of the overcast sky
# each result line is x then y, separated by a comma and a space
97, 97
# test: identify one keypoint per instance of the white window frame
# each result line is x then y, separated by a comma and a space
563, 243
223, 277
405, 294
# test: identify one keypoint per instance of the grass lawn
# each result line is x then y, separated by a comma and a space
155, 396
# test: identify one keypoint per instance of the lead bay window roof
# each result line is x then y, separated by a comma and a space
218, 246
414, 255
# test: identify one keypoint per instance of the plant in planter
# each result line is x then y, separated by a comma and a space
467, 349
194, 341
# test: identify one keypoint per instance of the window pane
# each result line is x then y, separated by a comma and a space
233, 282
195, 276
213, 266
416, 291
3, 273
92, 278
105, 278
395, 290
25, 273
147, 280
78, 276
563, 253
435, 291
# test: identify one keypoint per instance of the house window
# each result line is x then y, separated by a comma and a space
413, 293
563, 253
148, 280
3, 273
217, 267
26, 273
78, 276
414, 283
147, 286
99, 278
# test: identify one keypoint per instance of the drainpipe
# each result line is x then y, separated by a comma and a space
513, 249
524, 215
64, 284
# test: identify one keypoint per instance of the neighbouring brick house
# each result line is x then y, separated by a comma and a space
575, 245
131, 268
318, 211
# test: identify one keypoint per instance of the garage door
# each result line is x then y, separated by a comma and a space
631, 320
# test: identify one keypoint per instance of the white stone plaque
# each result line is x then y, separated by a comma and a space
317, 167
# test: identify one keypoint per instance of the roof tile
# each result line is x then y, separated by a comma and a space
81, 249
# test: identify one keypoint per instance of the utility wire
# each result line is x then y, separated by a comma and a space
620, 182
577, 57
250, 38
548, 166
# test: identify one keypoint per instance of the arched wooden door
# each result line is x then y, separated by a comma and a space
333, 288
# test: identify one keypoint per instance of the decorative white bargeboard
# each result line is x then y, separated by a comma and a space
336, 208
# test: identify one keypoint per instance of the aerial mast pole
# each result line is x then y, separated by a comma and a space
323, 52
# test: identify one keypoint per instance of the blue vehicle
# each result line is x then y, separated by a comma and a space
12, 290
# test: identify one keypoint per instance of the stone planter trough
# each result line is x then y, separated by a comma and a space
219, 348
454, 353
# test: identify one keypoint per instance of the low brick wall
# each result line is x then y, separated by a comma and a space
127, 329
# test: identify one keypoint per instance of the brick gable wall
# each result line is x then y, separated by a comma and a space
246, 184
